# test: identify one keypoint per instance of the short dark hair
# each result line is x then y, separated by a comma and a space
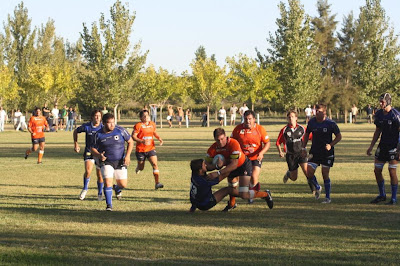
107, 117
291, 111
218, 132
196, 165
94, 112
249, 112
142, 113
321, 105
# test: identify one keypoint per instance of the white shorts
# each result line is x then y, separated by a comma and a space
233, 117
107, 171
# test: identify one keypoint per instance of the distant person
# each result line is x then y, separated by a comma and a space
46, 113
104, 111
180, 115
22, 123
63, 117
204, 119
71, 119
314, 110
3, 118
188, 115
221, 116
308, 111
17, 117
36, 126
370, 113
153, 112
55, 113
233, 111
354, 113
243, 109
170, 115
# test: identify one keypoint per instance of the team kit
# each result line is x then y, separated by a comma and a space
237, 157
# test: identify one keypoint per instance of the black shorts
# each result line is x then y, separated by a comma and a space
87, 156
246, 169
37, 141
220, 118
256, 163
141, 156
322, 160
294, 160
386, 152
179, 118
115, 164
211, 203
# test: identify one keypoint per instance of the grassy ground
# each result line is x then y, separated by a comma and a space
43, 222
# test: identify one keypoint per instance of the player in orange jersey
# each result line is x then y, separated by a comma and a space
36, 126
144, 133
237, 167
255, 142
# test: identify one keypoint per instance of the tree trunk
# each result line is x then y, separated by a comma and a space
208, 116
115, 113
345, 115
330, 113
161, 106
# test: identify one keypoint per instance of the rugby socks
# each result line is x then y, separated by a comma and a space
327, 184
117, 189
260, 194
40, 156
310, 184
394, 192
108, 194
232, 201
255, 187
86, 182
381, 186
100, 186
315, 183
156, 174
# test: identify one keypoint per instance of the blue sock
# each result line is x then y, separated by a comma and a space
108, 194
394, 192
327, 184
117, 188
86, 182
315, 182
381, 186
100, 186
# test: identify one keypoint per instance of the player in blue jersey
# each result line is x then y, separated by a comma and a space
387, 121
201, 195
110, 149
322, 149
90, 128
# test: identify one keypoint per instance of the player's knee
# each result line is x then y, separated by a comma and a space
378, 168
233, 184
244, 192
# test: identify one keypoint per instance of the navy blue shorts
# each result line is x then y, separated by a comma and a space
37, 141
256, 163
386, 153
211, 203
141, 156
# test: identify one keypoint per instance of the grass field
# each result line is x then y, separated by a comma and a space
43, 222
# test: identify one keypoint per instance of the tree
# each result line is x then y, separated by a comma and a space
294, 56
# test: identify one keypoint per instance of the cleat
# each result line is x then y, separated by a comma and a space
326, 201
118, 195
269, 200
109, 208
229, 207
137, 171
192, 209
378, 199
317, 192
99, 197
250, 201
159, 185
39, 162
26, 156
391, 202
285, 178
82, 196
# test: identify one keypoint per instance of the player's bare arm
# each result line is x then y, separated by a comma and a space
127, 159
135, 138
338, 138
76, 145
375, 138
99, 155
305, 141
158, 137
263, 151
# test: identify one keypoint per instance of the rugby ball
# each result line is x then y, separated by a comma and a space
218, 156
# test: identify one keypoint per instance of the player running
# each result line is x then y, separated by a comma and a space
36, 126
110, 149
201, 195
255, 142
322, 149
143, 133
90, 128
237, 166
387, 121
291, 136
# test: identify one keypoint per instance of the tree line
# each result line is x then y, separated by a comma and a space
308, 60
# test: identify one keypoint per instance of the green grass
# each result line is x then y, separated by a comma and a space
43, 222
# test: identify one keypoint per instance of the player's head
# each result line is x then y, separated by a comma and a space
144, 116
249, 118
197, 166
220, 137
291, 116
385, 100
96, 116
37, 111
109, 122
320, 110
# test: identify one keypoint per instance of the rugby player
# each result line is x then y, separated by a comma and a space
254, 142
201, 195
109, 148
322, 149
237, 166
36, 126
90, 128
144, 133
387, 121
291, 136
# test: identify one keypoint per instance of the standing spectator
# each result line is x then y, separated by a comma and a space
17, 117
370, 113
153, 111
387, 121
180, 115
308, 112
46, 113
104, 111
233, 111
204, 119
314, 110
63, 117
221, 116
188, 115
36, 126
243, 109
354, 113
3, 118
55, 112
22, 123
170, 115
71, 116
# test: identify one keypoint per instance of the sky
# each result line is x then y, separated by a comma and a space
173, 30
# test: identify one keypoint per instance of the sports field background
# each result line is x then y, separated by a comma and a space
43, 222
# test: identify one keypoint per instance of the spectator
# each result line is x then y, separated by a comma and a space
70, 123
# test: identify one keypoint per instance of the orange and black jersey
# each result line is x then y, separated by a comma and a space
37, 124
251, 139
230, 151
145, 131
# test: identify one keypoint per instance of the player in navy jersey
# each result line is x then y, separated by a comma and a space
90, 128
110, 149
322, 149
387, 121
201, 195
